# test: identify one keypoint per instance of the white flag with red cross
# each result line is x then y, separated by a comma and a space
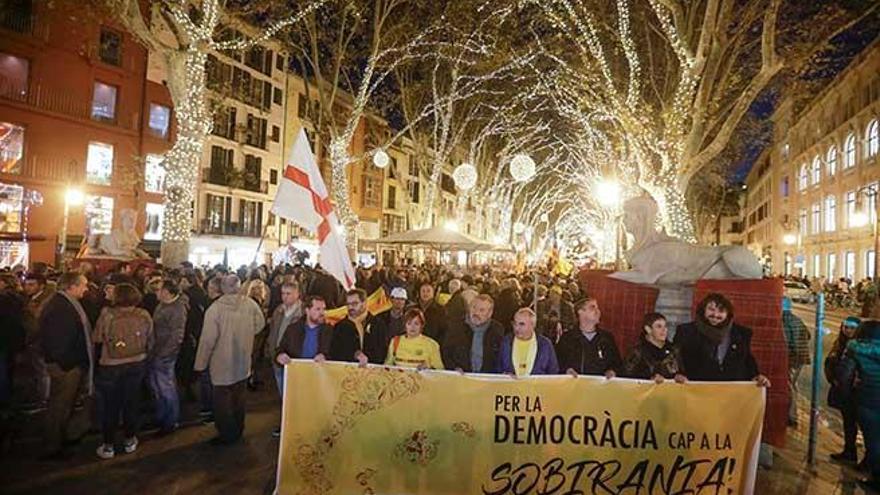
302, 198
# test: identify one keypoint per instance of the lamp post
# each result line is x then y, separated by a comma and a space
608, 194
72, 197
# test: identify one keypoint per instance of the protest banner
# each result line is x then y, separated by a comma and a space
378, 430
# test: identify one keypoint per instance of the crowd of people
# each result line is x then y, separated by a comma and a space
199, 334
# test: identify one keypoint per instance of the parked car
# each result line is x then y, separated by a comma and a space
799, 292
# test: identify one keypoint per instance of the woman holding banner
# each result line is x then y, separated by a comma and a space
654, 357
412, 349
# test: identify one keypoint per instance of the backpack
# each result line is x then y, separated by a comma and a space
126, 335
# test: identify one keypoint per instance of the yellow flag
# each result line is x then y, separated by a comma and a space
392, 431
376, 302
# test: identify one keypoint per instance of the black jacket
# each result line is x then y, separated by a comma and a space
435, 321
588, 357
506, 306
62, 337
698, 355
456, 347
345, 340
295, 334
646, 360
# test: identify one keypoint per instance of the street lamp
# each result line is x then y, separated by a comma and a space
72, 197
380, 158
859, 219
451, 225
608, 193
789, 239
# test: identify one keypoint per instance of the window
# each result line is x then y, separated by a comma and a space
803, 177
256, 131
214, 213
160, 119
391, 200
252, 172
11, 208
830, 213
849, 265
153, 221
276, 134
817, 271
391, 224
301, 106
872, 138
154, 174
850, 207
99, 214
279, 62
817, 218
802, 227
224, 123
99, 163
831, 269
277, 96
221, 165
817, 170
872, 202
372, 192
249, 217
273, 177
413, 168
104, 102
869, 263
15, 71
414, 191
11, 148
784, 187
831, 160
447, 183
849, 151
110, 50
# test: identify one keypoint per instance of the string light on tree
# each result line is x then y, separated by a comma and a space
465, 176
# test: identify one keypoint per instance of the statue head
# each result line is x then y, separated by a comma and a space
639, 217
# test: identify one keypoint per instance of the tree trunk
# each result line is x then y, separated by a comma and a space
674, 214
186, 84
339, 160
431, 195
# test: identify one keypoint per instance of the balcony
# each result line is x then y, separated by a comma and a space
21, 20
53, 168
59, 101
228, 228
233, 179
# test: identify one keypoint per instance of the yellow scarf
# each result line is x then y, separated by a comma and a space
359, 325
524, 353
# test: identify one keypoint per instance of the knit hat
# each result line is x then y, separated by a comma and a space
852, 322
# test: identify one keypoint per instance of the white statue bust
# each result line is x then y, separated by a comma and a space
657, 258
121, 242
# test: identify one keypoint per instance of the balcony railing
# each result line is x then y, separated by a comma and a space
22, 21
58, 100
53, 168
229, 228
219, 178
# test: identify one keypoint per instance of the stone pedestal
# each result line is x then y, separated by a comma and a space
675, 304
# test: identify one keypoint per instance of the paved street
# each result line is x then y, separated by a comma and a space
183, 462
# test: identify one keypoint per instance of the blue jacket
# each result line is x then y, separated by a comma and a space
865, 350
545, 359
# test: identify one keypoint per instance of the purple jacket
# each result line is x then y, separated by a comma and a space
545, 359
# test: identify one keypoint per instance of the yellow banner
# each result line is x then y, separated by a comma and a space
349, 430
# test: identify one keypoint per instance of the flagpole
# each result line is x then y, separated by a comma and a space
260, 244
